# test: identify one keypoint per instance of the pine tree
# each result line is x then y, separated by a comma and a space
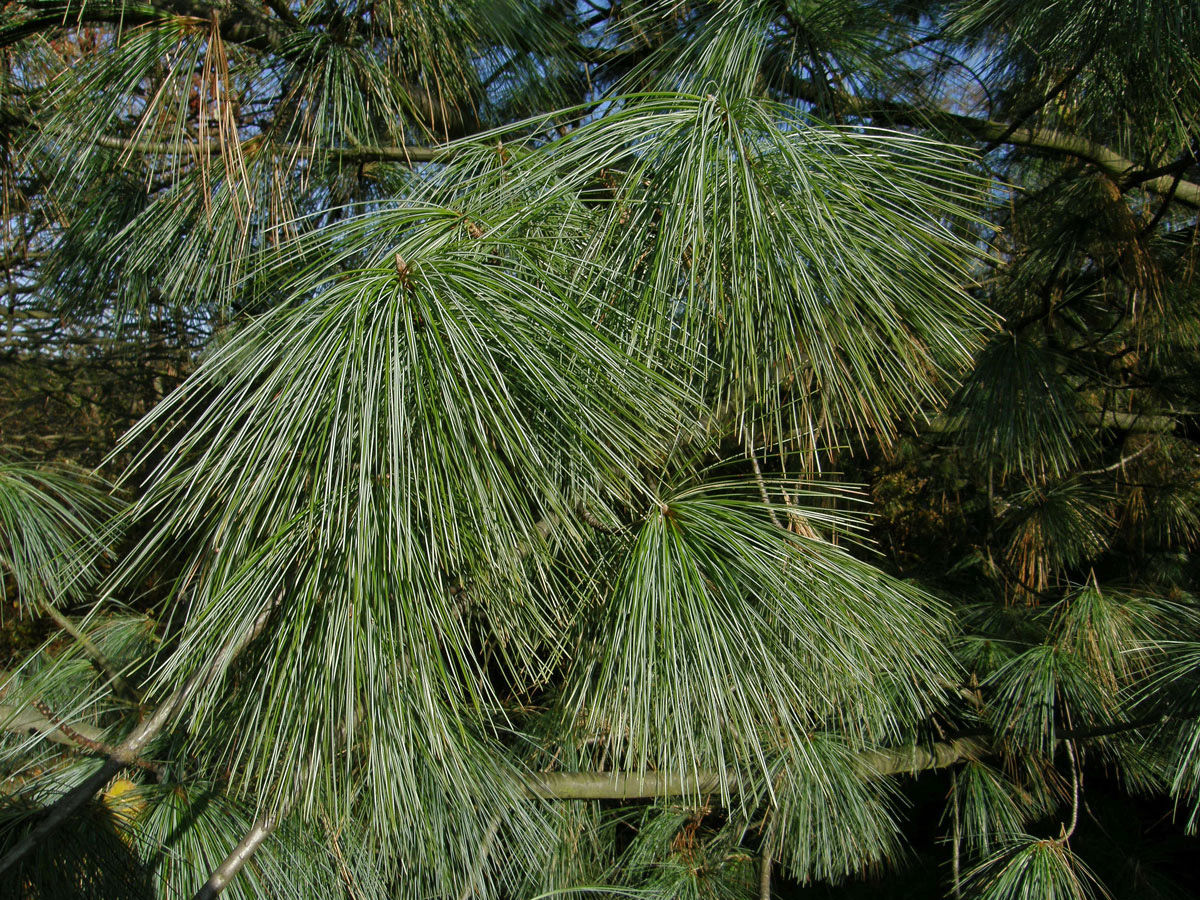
649, 448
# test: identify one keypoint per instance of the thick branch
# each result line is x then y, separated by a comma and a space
1108, 161
625, 786
613, 785
622, 785
1122, 170
631, 786
240, 21
238, 857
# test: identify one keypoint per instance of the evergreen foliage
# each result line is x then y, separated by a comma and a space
512, 448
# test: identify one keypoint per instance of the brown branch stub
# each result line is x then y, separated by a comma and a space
29, 720
89, 743
593, 521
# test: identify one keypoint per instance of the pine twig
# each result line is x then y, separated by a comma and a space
120, 685
262, 829
764, 870
129, 751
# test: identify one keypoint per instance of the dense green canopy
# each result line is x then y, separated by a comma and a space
510, 448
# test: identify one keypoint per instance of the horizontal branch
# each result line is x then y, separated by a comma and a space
633, 786
618, 786
1110, 162
1135, 423
622, 785
243, 22
204, 149
1121, 169
1124, 171
599, 785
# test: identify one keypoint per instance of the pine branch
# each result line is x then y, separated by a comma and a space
198, 149
1121, 169
1136, 423
245, 24
129, 752
27, 720
633, 786
88, 741
102, 662
611, 785
1165, 181
262, 829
